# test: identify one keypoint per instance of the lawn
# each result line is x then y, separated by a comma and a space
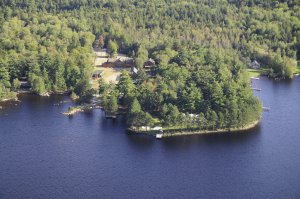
253, 72
256, 72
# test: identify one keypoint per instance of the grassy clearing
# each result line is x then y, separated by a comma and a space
254, 72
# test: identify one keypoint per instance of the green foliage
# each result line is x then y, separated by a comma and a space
37, 84
126, 87
83, 89
201, 49
16, 84
49, 50
73, 96
4, 76
110, 104
112, 48
136, 117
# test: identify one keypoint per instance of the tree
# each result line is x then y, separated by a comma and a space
73, 96
171, 115
111, 104
126, 87
59, 83
141, 56
134, 114
101, 41
135, 107
112, 48
16, 84
83, 89
4, 76
103, 87
38, 84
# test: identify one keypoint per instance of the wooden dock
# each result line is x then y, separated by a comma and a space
257, 89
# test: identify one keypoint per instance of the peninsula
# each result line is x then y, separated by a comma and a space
173, 65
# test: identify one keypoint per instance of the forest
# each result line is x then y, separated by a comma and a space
201, 49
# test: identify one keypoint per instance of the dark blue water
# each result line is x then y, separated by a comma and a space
44, 154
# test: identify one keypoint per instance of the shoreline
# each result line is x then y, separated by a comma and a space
73, 111
81, 108
10, 99
173, 133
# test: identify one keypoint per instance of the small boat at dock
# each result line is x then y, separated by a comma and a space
257, 89
158, 136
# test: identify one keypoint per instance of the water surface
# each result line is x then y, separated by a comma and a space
44, 154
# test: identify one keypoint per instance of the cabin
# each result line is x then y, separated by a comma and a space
150, 68
110, 62
118, 63
25, 84
126, 62
254, 65
149, 64
97, 74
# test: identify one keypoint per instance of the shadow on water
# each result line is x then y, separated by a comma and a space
88, 114
9, 107
140, 142
110, 122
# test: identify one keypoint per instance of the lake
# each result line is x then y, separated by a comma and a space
44, 154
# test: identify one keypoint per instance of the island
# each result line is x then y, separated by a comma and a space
171, 67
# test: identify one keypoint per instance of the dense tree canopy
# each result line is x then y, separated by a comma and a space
201, 49
46, 50
215, 94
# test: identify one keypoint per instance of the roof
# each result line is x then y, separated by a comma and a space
135, 70
126, 59
150, 63
254, 63
151, 60
120, 59
112, 60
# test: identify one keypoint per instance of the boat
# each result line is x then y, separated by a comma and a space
159, 136
257, 89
